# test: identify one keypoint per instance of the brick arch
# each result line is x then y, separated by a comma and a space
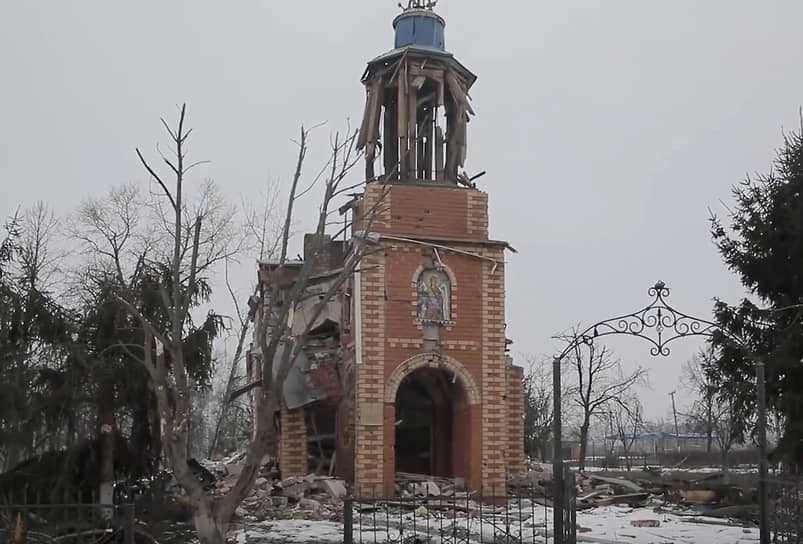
432, 360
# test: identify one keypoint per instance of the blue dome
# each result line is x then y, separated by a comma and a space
420, 27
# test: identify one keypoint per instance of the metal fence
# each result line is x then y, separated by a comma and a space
513, 518
570, 508
67, 524
785, 511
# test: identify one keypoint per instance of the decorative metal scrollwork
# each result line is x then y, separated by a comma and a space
658, 323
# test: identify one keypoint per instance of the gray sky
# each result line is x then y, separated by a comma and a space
607, 128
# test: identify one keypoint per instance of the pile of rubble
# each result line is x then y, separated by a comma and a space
652, 498
310, 497
713, 494
536, 482
716, 495
410, 486
315, 497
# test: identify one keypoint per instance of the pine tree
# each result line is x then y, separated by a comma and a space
764, 247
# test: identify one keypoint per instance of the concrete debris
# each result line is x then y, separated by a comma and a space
645, 523
699, 496
620, 482
309, 497
410, 485
294, 491
335, 488
631, 499
426, 489
679, 490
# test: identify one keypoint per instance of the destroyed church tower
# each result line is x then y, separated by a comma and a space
406, 370
417, 107
434, 391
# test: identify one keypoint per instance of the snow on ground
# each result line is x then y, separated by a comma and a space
614, 524
291, 531
605, 525
741, 469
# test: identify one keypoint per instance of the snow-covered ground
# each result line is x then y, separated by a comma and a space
740, 469
604, 525
613, 524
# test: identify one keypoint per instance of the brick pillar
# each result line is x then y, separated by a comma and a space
494, 378
477, 215
475, 453
515, 419
370, 433
389, 451
293, 443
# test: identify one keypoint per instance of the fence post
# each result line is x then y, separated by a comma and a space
570, 527
557, 458
348, 520
763, 498
129, 523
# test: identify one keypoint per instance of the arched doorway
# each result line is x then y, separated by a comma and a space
431, 424
433, 416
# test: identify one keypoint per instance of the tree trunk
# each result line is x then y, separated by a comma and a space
12, 455
156, 432
141, 441
583, 444
107, 435
208, 528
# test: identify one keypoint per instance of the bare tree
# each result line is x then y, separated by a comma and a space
195, 250
697, 381
538, 409
265, 232
598, 382
710, 412
726, 429
38, 259
627, 421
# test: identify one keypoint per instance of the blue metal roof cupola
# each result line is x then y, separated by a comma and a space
417, 106
420, 26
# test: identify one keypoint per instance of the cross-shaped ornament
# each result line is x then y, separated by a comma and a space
420, 4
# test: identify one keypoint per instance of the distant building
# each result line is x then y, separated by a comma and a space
653, 442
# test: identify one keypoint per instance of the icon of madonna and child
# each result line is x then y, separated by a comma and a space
434, 296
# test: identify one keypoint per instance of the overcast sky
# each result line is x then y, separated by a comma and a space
608, 129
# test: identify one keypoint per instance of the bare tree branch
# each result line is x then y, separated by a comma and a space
599, 382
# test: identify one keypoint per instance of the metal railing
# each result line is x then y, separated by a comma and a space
463, 518
67, 523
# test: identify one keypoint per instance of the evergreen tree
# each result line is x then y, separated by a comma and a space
764, 246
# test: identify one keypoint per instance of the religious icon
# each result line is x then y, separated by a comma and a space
434, 296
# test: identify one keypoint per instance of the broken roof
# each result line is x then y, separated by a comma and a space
420, 51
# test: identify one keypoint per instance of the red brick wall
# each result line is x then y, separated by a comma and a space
293, 443
515, 419
429, 210
475, 340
